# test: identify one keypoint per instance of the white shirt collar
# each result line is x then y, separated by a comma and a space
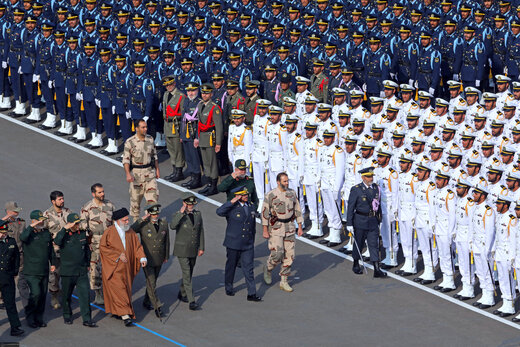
121, 233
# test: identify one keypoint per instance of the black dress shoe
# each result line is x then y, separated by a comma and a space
230, 293
438, 287
417, 279
366, 259
194, 306
426, 282
30, 121
476, 304
42, 324
447, 290
78, 140
342, 250
148, 306
159, 313
128, 322
456, 296
406, 274
67, 321
356, 268
398, 272
464, 298
516, 320
16, 331
386, 266
484, 306
323, 242
44, 127
496, 312
33, 325
182, 298
254, 298
313, 237
90, 324
333, 244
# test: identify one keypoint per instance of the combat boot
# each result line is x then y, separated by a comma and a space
267, 276
177, 175
172, 174
212, 190
99, 297
55, 301
194, 183
284, 285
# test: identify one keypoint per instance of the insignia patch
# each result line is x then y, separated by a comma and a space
149, 87
414, 51
480, 51
387, 63
437, 60
293, 73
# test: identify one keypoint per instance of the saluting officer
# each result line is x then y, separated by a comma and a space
363, 219
155, 238
189, 243
10, 263
240, 240
75, 261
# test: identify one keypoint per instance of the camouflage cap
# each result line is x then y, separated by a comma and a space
12, 206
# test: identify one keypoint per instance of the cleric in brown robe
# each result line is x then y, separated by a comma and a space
121, 258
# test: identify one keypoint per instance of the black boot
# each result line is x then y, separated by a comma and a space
195, 182
205, 189
177, 176
169, 177
212, 188
356, 268
377, 270
188, 182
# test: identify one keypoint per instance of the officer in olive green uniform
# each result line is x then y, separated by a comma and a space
287, 92
173, 110
251, 99
210, 137
319, 86
189, 243
9, 266
39, 252
239, 178
75, 260
155, 238
234, 100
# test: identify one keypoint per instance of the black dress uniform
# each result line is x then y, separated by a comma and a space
240, 242
39, 252
155, 238
364, 214
75, 260
9, 265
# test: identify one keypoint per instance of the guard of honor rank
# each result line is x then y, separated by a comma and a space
425, 93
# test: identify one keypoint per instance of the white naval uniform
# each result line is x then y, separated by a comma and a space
277, 151
240, 143
387, 179
445, 204
295, 158
464, 210
331, 170
482, 234
311, 147
504, 249
425, 192
406, 214
259, 156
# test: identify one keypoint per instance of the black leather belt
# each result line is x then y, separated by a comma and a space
367, 214
141, 166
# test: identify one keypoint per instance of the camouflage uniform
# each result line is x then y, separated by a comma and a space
54, 223
285, 207
15, 228
96, 219
141, 153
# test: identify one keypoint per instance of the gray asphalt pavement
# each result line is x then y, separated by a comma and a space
330, 306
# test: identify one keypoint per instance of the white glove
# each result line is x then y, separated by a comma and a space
66, 91
350, 229
432, 91
455, 77
477, 83
382, 94
505, 70
145, 119
50, 84
364, 87
128, 114
79, 96
160, 106
416, 84
113, 109
20, 70
490, 62
392, 75
4, 65
410, 82
36, 78
98, 102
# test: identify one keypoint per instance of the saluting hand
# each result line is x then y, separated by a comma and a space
235, 199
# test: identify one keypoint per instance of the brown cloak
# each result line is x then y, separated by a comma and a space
118, 276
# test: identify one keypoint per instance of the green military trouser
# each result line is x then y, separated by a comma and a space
21, 283
38, 286
187, 265
174, 147
83, 290
152, 273
8, 290
209, 162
